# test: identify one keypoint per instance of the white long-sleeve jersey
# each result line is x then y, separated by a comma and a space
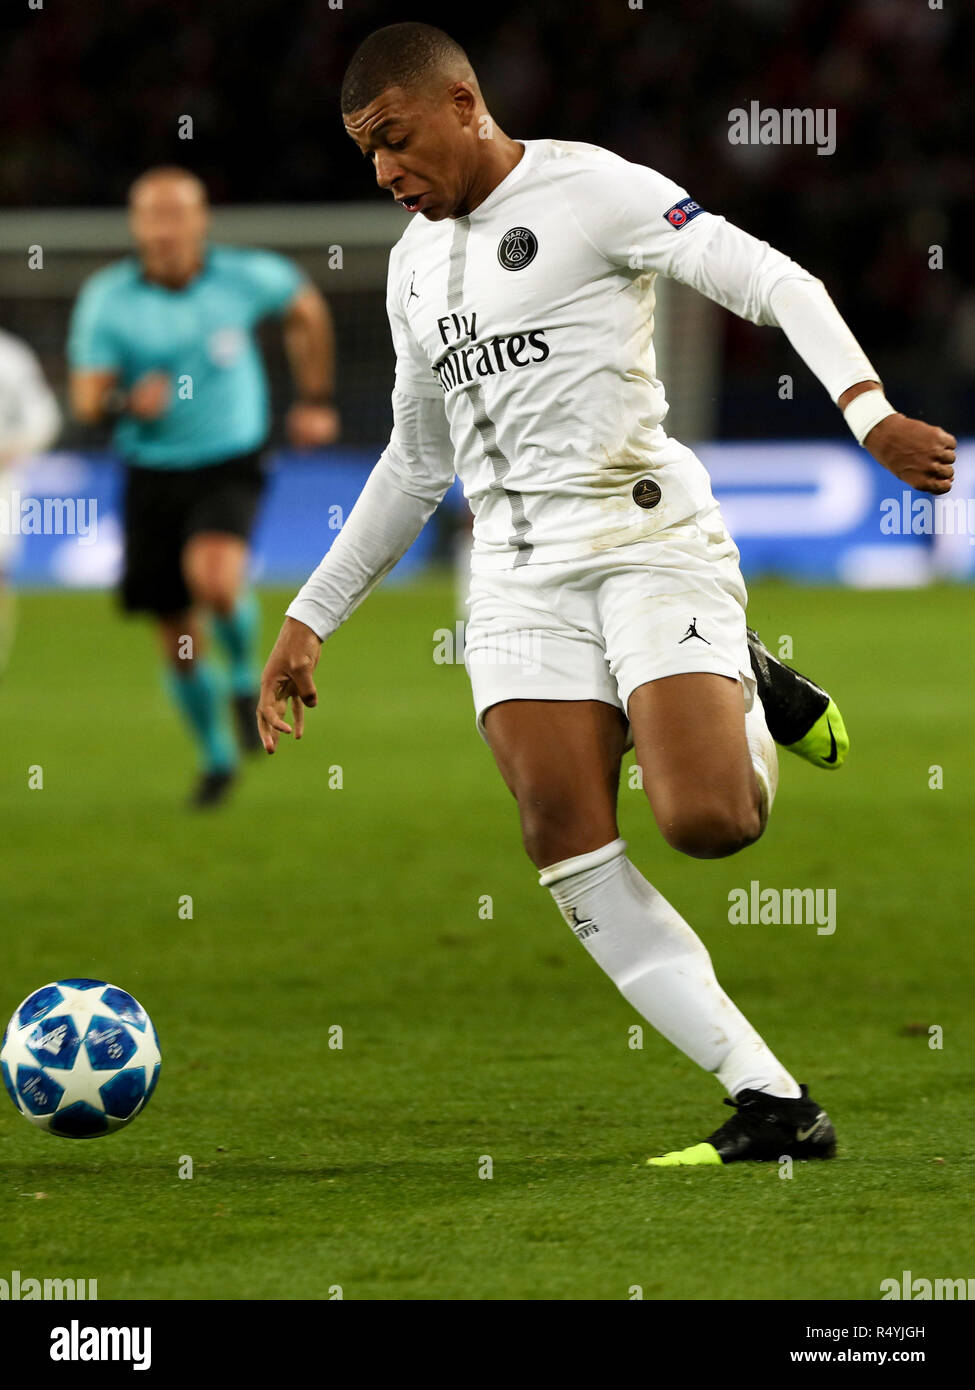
525, 362
29, 414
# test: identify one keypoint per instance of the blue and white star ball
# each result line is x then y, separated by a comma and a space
80, 1058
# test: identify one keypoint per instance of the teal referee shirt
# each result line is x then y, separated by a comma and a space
202, 336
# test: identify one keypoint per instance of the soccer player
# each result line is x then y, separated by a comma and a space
521, 306
30, 421
164, 341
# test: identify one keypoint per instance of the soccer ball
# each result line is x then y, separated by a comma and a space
80, 1058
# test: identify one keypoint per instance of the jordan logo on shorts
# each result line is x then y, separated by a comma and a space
693, 632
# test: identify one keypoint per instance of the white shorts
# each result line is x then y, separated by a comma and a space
595, 628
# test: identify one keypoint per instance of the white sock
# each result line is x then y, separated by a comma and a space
661, 967
761, 746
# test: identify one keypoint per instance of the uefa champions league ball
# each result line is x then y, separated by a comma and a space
80, 1058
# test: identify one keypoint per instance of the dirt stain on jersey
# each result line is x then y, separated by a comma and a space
612, 479
621, 467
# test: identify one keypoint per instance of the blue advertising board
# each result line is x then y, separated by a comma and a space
818, 512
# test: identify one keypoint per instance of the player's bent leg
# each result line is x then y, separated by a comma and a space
699, 770
561, 761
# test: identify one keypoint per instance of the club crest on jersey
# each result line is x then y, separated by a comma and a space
682, 212
517, 248
646, 493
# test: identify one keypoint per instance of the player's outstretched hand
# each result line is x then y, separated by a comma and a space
288, 676
921, 455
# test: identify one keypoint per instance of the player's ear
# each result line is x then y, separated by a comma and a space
463, 102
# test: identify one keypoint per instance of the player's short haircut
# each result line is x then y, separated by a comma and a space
414, 56
168, 171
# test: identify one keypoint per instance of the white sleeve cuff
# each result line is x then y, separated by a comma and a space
867, 410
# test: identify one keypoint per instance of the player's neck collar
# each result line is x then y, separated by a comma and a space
513, 176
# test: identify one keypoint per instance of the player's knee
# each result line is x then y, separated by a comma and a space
713, 831
543, 835
552, 829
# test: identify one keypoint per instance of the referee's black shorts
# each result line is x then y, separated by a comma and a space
164, 507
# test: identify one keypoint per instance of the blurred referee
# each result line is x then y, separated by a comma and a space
164, 343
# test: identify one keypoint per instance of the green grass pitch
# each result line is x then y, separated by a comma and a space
467, 1037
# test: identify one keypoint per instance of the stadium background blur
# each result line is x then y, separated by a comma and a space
90, 96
